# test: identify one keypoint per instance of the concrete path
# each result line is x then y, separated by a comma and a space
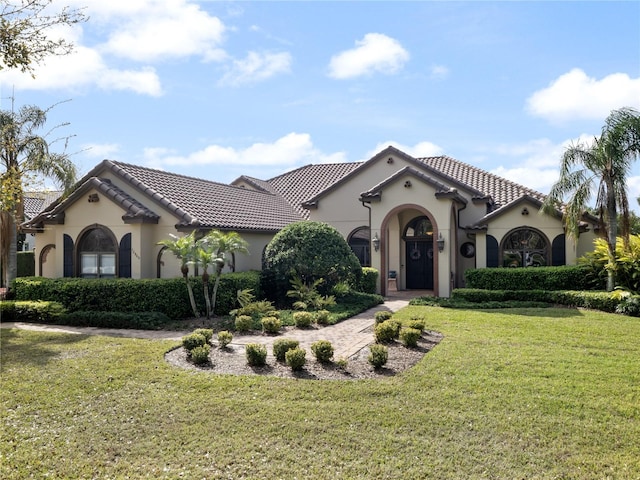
347, 337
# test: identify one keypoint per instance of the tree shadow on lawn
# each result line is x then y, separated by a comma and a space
553, 311
16, 350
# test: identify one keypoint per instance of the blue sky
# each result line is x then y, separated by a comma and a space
220, 89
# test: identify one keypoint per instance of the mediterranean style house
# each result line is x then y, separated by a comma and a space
420, 221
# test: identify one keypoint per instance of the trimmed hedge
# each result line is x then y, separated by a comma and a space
168, 296
26, 264
368, 281
38, 311
570, 277
136, 320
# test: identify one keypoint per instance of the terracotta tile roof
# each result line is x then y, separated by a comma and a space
306, 182
501, 190
203, 203
35, 202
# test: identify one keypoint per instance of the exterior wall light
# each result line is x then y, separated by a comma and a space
440, 242
376, 242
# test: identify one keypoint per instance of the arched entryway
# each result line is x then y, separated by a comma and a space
419, 253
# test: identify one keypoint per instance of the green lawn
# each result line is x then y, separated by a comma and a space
511, 394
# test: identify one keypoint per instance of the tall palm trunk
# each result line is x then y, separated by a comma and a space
612, 223
219, 266
205, 287
185, 275
9, 247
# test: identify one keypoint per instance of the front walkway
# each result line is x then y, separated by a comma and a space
347, 337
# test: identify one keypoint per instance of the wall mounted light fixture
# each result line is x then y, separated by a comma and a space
376, 242
440, 242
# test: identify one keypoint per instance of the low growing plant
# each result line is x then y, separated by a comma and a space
322, 350
271, 325
303, 319
417, 323
193, 340
244, 323
382, 315
386, 331
410, 336
282, 345
256, 354
207, 333
323, 317
378, 355
224, 338
200, 354
295, 358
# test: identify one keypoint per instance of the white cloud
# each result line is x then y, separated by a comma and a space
421, 149
293, 149
256, 67
167, 29
439, 72
374, 53
100, 150
84, 68
574, 95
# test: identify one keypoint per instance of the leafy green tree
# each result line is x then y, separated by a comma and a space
25, 32
603, 167
218, 249
24, 156
185, 249
308, 251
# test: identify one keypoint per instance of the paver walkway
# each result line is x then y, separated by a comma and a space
347, 337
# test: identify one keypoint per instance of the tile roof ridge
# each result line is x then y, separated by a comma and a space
120, 164
309, 165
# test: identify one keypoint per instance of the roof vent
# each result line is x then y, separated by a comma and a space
93, 198
390, 160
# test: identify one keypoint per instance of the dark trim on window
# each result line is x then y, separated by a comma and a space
68, 254
493, 252
558, 251
124, 260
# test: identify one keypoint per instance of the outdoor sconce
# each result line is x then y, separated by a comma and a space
376, 242
440, 242
407, 184
525, 211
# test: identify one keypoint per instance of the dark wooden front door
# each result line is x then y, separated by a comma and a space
420, 264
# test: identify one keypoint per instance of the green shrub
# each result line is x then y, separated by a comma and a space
193, 340
378, 355
207, 333
627, 263
303, 319
342, 363
309, 251
629, 306
386, 331
417, 323
271, 325
39, 312
200, 354
26, 264
257, 309
323, 317
410, 336
244, 323
295, 358
322, 350
282, 345
369, 280
572, 277
224, 338
139, 320
256, 354
382, 315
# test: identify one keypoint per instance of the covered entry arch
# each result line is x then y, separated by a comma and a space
395, 249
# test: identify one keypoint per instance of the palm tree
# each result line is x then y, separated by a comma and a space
220, 247
203, 259
24, 156
185, 249
603, 167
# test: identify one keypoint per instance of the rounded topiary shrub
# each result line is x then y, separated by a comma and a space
386, 331
244, 323
309, 251
200, 355
271, 325
256, 354
282, 346
207, 333
378, 355
193, 340
410, 336
417, 323
323, 317
322, 350
224, 338
296, 358
382, 315
303, 319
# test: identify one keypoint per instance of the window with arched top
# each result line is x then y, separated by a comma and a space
97, 249
525, 247
360, 240
419, 227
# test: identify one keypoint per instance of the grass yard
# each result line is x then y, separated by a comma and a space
512, 394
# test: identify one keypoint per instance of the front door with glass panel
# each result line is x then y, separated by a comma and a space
418, 239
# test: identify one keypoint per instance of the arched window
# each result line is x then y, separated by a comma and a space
359, 241
419, 228
97, 253
525, 247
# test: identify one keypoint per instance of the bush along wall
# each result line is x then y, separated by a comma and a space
26, 264
167, 296
570, 277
